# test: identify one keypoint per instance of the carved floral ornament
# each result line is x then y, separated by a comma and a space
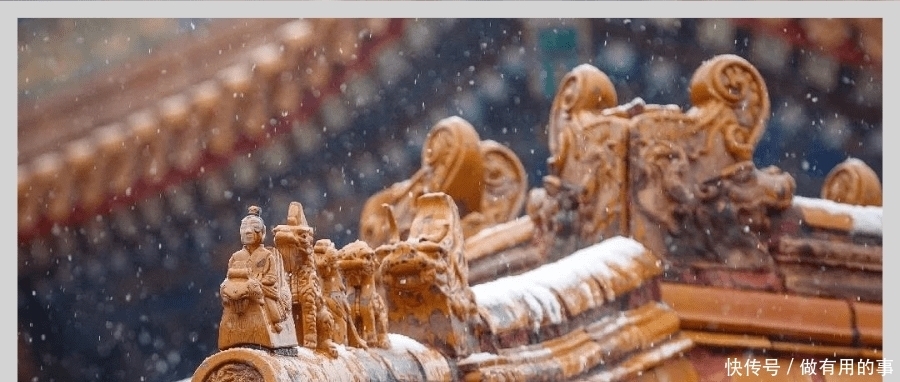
680, 184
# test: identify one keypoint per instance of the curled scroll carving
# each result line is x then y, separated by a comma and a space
451, 158
451, 163
733, 100
605, 156
853, 182
588, 145
505, 183
584, 91
486, 180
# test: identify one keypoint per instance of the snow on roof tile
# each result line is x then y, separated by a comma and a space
581, 281
866, 219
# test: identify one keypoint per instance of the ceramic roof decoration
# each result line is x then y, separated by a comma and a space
440, 199
655, 245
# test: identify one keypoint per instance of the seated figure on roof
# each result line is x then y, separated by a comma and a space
255, 293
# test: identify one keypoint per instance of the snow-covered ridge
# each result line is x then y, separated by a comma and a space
866, 219
400, 342
542, 294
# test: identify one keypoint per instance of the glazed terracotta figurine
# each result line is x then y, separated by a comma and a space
335, 294
312, 318
426, 280
359, 265
255, 295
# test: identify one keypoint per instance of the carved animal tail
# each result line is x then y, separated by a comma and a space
324, 331
284, 287
395, 232
381, 322
353, 338
734, 97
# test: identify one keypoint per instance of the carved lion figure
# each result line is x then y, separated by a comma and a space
367, 310
426, 279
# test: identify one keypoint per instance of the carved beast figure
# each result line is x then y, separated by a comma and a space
335, 295
754, 192
735, 210
731, 212
312, 318
367, 309
426, 280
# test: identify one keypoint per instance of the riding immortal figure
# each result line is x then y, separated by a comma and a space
263, 265
255, 293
